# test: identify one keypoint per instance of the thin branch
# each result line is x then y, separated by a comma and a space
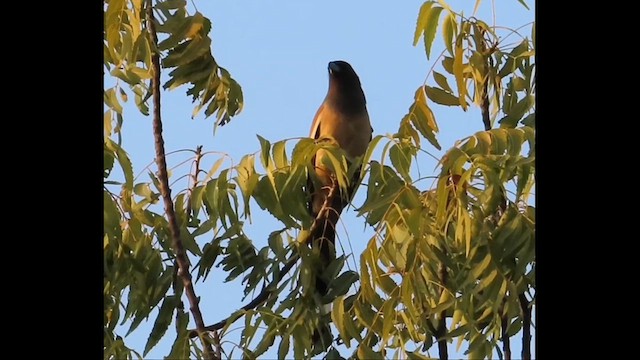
181, 257
526, 327
194, 177
506, 346
442, 326
152, 162
484, 102
270, 289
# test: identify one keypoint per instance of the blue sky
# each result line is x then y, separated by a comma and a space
278, 51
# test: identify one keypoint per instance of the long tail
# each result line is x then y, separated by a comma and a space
324, 237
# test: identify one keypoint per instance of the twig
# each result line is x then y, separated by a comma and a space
484, 102
269, 290
442, 326
161, 161
194, 177
526, 327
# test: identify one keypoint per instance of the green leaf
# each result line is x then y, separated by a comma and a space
517, 111
113, 22
401, 160
389, 320
194, 73
180, 347
333, 354
187, 28
523, 177
108, 161
430, 29
415, 355
447, 64
265, 147
111, 223
529, 120
524, 4
123, 160
140, 73
188, 52
342, 283
514, 327
111, 100
210, 253
442, 81
247, 180
422, 118
267, 339
108, 122
275, 243
279, 155
141, 100
162, 322
283, 349
365, 352
441, 97
171, 4
479, 269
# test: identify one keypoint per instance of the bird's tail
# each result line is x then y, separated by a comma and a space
324, 237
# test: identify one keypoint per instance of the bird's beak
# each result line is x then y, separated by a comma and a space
333, 67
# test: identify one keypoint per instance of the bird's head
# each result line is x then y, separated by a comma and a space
342, 72
344, 83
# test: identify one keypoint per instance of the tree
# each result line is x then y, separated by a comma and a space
462, 250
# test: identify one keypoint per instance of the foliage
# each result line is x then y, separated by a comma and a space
463, 249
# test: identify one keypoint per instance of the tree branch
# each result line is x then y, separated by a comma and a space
526, 327
161, 161
269, 290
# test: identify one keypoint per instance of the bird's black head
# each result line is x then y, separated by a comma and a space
345, 89
342, 72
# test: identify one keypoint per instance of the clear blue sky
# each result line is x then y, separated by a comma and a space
278, 51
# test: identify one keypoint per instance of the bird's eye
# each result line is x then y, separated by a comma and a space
333, 67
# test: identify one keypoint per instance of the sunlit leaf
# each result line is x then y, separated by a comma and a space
111, 100
433, 16
457, 72
422, 20
449, 30
337, 316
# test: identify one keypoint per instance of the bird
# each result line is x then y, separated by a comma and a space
342, 116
